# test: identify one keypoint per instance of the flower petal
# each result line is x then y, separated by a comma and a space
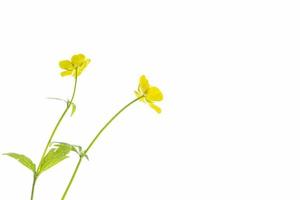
144, 84
66, 73
154, 94
78, 59
155, 107
66, 64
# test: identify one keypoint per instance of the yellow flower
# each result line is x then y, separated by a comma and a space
149, 94
77, 63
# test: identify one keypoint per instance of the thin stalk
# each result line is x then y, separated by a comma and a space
33, 186
36, 175
59, 122
93, 142
108, 123
72, 178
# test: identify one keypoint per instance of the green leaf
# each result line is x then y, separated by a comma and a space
75, 148
73, 108
24, 160
58, 99
54, 156
67, 102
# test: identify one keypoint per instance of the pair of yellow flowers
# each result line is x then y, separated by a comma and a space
147, 93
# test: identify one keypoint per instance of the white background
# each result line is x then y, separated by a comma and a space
229, 71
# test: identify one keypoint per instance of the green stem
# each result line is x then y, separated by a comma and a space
93, 142
59, 122
36, 175
33, 186
72, 178
108, 123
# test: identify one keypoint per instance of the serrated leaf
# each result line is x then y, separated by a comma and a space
75, 148
24, 160
66, 145
54, 156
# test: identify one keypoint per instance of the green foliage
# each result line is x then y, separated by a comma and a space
54, 156
68, 102
58, 99
75, 148
73, 108
24, 160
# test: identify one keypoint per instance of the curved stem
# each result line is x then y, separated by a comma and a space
93, 142
108, 123
36, 175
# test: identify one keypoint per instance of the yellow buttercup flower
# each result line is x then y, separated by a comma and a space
149, 94
77, 63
